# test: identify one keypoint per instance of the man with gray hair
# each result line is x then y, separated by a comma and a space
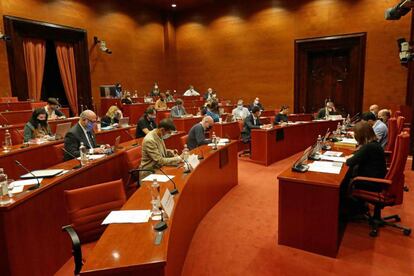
374, 109
82, 132
384, 115
240, 112
196, 135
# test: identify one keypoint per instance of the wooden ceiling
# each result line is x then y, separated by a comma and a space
181, 4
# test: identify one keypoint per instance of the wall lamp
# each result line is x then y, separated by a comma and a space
102, 45
4, 37
401, 9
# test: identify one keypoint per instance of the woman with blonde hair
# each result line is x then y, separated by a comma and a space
112, 117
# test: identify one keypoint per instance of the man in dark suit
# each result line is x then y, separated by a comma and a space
251, 122
329, 109
82, 132
256, 102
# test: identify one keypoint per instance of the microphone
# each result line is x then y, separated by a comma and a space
132, 137
162, 225
29, 172
74, 157
175, 190
303, 110
188, 169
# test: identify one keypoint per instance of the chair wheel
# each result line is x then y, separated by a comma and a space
407, 232
373, 233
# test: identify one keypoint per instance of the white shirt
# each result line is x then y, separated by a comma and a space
240, 114
87, 138
191, 92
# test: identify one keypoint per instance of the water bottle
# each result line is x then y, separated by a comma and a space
186, 155
83, 154
318, 149
155, 198
338, 129
7, 141
214, 140
4, 188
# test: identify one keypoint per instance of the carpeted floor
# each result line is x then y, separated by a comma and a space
239, 236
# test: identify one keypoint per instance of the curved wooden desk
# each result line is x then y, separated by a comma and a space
129, 249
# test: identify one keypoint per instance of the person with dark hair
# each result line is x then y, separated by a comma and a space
118, 90
178, 110
161, 103
212, 111
154, 152
329, 109
126, 98
146, 123
256, 102
380, 129
155, 91
282, 116
52, 110
251, 122
37, 126
168, 97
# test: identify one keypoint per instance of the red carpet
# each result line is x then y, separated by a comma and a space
239, 236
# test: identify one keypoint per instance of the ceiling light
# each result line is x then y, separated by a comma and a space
174, 5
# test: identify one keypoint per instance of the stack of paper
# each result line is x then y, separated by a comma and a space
325, 167
129, 216
351, 141
218, 144
332, 153
158, 177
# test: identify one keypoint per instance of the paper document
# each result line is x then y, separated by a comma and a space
26, 182
325, 167
167, 202
94, 156
159, 177
218, 144
16, 190
351, 141
224, 140
128, 216
193, 161
332, 153
333, 158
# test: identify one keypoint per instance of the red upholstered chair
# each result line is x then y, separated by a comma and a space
183, 140
400, 124
87, 207
397, 114
392, 189
132, 131
9, 99
58, 151
133, 158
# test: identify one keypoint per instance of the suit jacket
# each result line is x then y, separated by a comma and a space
259, 105
73, 139
177, 111
249, 124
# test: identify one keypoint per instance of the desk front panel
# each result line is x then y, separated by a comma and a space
185, 124
134, 111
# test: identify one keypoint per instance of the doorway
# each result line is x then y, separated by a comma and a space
330, 68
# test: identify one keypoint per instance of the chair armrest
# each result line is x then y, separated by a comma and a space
382, 182
387, 153
76, 247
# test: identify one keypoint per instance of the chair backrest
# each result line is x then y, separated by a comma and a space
8, 99
400, 124
397, 167
241, 125
392, 134
397, 113
59, 152
183, 140
88, 206
133, 157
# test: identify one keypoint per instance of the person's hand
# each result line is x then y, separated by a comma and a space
115, 125
349, 156
98, 150
53, 117
284, 124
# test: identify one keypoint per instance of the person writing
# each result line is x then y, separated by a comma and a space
126, 98
82, 132
251, 122
154, 152
161, 103
240, 112
329, 109
282, 116
380, 129
191, 92
178, 110
212, 111
112, 117
196, 135
146, 123
37, 126
52, 109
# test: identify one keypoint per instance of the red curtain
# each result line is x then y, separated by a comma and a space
66, 60
34, 51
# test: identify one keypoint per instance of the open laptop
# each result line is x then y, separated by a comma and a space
124, 122
61, 130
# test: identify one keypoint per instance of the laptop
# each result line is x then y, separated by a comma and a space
115, 147
61, 130
41, 174
124, 122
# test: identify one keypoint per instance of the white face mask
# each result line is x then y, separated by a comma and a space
240, 107
166, 136
256, 102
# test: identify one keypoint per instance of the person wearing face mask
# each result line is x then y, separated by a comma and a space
251, 122
240, 112
161, 103
282, 116
82, 132
196, 135
208, 94
256, 102
126, 99
329, 109
154, 152
168, 97
155, 91
178, 110
213, 111
37, 126
112, 117
191, 92
52, 110
146, 123
384, 115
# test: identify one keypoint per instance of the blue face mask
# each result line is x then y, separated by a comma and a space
89, 126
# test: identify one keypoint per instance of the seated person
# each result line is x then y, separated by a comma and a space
37, 126
251, 122
256, 102
146, 123
126, 98
240, 112
161, 104
118, 90
282, 116
380, 129
52, 109
168, 97
82, 132
178, 110
374, 109
208, 94
112, 117
154, 152
369, 159
212, 111
329, 109
155, 91
196, 135
384, 115
202, 110
191, 92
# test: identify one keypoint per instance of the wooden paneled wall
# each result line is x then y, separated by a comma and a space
247, 48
